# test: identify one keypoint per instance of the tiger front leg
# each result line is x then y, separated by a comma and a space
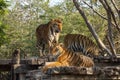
42, 51
51, 65
56, 38
49, 47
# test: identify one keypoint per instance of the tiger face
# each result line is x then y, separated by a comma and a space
57, 49
56, 25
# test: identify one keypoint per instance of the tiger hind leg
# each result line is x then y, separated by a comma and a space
39, 51
42, 53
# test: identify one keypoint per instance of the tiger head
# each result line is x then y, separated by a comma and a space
55, 25
57, 49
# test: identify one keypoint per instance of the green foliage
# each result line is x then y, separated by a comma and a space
3, 27
3, 6
23, 21
3, 36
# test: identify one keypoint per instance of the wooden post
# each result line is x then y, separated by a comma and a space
15, 62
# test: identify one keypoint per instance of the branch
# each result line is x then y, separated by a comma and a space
98, 40
95, 11
111, 45
109, 37
106, 8
98, 13
112, 14
116, 8
104, 5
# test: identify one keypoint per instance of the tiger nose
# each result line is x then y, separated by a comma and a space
57, 31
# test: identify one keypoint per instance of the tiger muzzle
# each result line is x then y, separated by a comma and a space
57, 31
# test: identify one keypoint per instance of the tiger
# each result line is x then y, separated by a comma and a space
81, 43
68, 58
47, 35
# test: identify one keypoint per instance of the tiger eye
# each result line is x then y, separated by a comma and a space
55, 25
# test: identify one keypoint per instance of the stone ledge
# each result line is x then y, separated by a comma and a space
71, 73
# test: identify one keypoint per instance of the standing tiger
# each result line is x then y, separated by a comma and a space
47, 35
68, 58
81, 43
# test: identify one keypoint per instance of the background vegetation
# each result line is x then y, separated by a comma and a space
19, 20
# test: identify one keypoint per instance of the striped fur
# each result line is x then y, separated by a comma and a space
81, 43
68, 58
47, 35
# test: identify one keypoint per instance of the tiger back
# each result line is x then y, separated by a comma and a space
81, 43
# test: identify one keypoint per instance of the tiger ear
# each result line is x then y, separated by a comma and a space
52, 20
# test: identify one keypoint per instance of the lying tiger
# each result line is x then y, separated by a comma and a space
68, 58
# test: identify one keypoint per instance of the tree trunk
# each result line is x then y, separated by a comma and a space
109, 20
98, 40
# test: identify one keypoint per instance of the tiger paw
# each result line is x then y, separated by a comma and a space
44, 69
